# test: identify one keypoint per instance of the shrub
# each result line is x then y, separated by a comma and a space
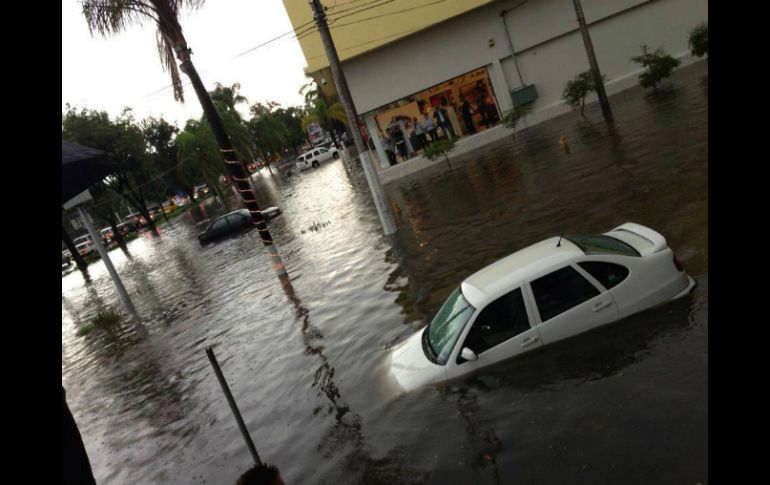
658, 66
578, 88
699, 40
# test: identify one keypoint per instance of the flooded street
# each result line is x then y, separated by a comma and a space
308, 362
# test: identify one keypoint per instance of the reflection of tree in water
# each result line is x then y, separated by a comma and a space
138, 377
357, 465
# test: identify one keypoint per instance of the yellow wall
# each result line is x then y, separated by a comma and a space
355, 31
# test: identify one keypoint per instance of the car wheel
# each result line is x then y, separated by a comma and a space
316, 164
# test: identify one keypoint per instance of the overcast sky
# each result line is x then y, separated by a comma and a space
124, 70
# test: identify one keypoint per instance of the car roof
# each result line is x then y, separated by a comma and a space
502, 276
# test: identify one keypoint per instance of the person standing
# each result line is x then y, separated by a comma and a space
419, 134
442, 120
429, 127
387, 146
467, 114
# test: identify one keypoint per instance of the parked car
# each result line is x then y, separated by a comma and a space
85, 247
126, 228
233, 223
547, 292
107, 235
315, 157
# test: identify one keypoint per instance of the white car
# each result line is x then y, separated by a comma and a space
315, 157
541, 294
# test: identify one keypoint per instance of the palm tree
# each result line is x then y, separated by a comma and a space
226, 97
112, 16
326, 115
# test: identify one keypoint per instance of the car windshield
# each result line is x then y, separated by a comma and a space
602, 245
442, 333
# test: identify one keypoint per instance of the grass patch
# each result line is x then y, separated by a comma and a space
316, 227
106, 319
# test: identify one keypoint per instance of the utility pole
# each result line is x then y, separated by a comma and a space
388, 225
597, 75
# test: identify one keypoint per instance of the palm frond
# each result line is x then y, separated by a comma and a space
167, 60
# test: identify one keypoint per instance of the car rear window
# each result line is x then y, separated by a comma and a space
602, 245
608, 274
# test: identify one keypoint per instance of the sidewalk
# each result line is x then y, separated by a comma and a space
463, 145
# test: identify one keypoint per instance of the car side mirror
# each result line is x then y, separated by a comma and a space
468, 354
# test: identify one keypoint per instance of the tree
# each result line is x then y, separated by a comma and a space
160, 138
578, 88
658, 66
198, 156
511, 118
110, 16
124, 144
326, 115
440, 148
699, 40
226, 97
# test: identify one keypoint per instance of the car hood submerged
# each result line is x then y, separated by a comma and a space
411, 367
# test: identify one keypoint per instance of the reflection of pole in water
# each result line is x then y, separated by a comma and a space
490, 443
324, 375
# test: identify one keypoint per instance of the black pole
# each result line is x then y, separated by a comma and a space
233, 406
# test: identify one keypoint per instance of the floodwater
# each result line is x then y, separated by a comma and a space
307, 362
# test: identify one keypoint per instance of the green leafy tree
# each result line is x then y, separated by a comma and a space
512, 117
440, 148
699, 40
199, 158
578, 88
658, 66
124, 143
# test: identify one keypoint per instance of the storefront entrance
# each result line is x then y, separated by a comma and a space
460, 106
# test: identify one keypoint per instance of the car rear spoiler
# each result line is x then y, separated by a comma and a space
641, 238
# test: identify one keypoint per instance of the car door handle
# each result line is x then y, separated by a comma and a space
601, 306
528, 341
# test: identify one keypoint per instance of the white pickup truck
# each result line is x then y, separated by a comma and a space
316, 156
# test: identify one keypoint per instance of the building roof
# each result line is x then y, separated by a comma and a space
357, 29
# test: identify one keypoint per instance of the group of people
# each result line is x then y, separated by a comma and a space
424, 132
482, 103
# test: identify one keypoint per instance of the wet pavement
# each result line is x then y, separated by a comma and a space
307, 362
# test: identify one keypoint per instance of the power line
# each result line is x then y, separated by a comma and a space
310, 29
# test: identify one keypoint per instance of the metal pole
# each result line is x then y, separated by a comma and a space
510, 45
233, 406
107, 262
386, 218
600, 92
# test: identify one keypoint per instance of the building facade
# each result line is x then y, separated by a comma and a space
404, 59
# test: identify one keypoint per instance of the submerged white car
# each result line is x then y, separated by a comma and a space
541, 294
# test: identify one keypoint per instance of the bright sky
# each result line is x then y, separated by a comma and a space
124, 70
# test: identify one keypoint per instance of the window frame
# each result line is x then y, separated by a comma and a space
596, 281
591, 280
474, 318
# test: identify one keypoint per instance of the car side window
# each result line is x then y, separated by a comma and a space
557, 292
501, 320
608, 274
316, 153
219, 224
